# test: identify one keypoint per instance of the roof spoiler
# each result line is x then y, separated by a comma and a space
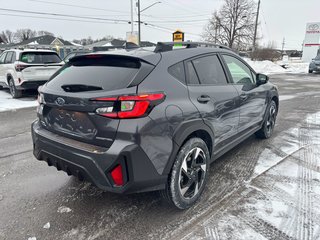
126, 45
168, 46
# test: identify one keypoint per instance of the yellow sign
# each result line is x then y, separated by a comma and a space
178, 36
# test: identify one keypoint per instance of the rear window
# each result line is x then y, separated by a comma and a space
90, 73
40, 57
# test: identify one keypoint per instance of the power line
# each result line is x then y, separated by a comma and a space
176, 16
82, 19
60, 19
178, 21
180, 6
63, 15
78, 6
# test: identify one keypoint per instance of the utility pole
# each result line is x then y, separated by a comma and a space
131, 2
256, 28
139, 23
283, 43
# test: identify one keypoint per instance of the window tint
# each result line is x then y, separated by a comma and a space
40, 57
192, 75
177, 71
210, 71
2, 57
8, 58
240, 73
104, 73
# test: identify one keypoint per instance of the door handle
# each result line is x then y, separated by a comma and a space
204, 99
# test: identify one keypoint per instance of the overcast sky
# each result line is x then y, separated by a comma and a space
279, 18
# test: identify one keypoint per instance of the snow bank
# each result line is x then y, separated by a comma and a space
8, 103
268, 67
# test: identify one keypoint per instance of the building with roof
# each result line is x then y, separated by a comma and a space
61, 46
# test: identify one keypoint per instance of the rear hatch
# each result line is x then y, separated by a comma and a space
38, 66
68, 101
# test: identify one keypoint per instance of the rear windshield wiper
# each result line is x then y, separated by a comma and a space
80, 88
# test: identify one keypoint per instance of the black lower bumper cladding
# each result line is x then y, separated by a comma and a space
138, 172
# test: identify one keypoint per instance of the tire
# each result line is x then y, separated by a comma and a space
188, 175
269, 122
310, 71
15, 93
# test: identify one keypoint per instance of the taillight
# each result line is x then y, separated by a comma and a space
132, 106
20, 67
117, 175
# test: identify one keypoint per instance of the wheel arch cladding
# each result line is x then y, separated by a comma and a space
9, 76
194, 128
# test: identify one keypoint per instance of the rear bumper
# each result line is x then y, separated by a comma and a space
94, 164
30, 85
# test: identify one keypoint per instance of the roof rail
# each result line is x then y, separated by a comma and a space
168, 46
126, 45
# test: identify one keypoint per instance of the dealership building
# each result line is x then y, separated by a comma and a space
311, 46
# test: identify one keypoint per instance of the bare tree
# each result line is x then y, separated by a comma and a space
7, 36
25, 34
43, 32
233, 25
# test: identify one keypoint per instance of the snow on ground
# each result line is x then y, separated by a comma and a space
64, 209
268, 67
8, 103
281, 200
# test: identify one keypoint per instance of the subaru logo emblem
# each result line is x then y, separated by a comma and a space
60, 101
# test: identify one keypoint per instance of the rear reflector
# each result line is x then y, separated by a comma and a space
132, 106
117, 175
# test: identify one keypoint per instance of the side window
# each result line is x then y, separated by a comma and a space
192, 75
210, 71
8, 57
13, 59
177, 71
2, 57
241, 74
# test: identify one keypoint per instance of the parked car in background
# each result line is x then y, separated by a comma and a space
144, 120
75, 53
314, 66
27, 69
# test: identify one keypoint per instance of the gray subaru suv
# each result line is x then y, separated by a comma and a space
143, 119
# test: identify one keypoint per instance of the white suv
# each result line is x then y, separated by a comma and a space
27, 69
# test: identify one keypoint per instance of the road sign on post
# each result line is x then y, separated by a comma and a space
178, 36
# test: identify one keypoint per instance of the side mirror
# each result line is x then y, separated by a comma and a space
262, 79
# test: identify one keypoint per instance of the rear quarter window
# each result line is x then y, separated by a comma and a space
178, 72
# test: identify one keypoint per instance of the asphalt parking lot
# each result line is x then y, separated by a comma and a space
262, 189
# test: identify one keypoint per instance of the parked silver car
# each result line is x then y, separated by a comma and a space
315, 65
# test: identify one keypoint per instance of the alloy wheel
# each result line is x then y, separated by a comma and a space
271, 119
192, 173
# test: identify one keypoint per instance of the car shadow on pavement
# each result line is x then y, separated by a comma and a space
92, 207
